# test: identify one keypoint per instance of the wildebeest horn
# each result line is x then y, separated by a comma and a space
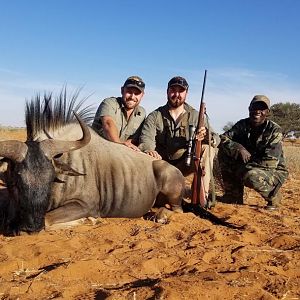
14, 150
54, 147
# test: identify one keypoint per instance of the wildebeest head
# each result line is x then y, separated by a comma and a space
30, 175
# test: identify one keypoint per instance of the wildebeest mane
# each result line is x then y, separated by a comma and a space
48, 113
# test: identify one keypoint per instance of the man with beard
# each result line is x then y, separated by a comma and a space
251, 155
165, 133
120, 119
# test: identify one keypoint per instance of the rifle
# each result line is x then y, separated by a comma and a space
198, 192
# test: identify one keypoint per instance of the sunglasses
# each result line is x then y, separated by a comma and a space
138, 83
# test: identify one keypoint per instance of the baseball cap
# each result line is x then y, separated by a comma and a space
135, 81
260, 98
178, 80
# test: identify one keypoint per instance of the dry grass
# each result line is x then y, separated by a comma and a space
291, 149
292, 155
10, 133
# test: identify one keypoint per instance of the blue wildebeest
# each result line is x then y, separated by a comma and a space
65, 171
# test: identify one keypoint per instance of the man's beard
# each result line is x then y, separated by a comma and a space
175, 102
130, 105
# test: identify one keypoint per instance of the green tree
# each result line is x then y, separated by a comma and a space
228, 126
287, 115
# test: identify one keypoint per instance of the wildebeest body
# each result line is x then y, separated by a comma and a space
66, 171
118, 182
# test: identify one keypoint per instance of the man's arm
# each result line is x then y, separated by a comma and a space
111, 132
148, 135
104, 122
271, 153
108, 107
230, 146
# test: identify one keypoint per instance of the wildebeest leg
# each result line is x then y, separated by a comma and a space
69, 212
171, 184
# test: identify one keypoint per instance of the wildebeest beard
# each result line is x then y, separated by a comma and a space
29, 188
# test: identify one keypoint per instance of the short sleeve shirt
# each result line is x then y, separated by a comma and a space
113, 107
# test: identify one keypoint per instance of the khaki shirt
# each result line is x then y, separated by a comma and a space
169, 138
128, 129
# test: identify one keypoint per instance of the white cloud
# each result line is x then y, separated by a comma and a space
227, 96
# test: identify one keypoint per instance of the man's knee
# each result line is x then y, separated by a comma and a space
251, 178
260, 181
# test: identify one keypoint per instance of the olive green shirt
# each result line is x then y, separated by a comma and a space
169, 138
128, 129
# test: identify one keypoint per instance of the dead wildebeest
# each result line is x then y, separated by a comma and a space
65, 171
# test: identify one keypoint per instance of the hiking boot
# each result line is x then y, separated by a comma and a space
274, 202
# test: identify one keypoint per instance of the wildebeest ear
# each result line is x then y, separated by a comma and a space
62, 168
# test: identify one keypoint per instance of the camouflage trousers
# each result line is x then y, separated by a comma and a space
236, 175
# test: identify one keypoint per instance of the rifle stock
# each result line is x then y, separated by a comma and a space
198, 192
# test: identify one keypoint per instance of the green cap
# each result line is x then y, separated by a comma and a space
261, 98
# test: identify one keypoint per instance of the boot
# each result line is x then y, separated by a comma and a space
274, 201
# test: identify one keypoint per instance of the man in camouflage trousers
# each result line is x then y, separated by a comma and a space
250, 154
165, 133
120, 119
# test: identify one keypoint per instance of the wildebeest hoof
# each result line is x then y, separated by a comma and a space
92, 221
163, 215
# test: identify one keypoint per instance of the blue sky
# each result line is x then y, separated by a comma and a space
248, 47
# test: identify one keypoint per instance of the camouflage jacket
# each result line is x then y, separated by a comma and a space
169, 138
265, 146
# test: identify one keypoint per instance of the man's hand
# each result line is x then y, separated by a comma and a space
153, 154
129, 144
243, 153
200, 135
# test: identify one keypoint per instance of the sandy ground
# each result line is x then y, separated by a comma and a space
187, 258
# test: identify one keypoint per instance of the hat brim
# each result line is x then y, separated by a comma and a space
260, 101
177, 84
134, 86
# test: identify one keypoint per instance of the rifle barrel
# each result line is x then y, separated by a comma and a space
198, 192
201, 101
